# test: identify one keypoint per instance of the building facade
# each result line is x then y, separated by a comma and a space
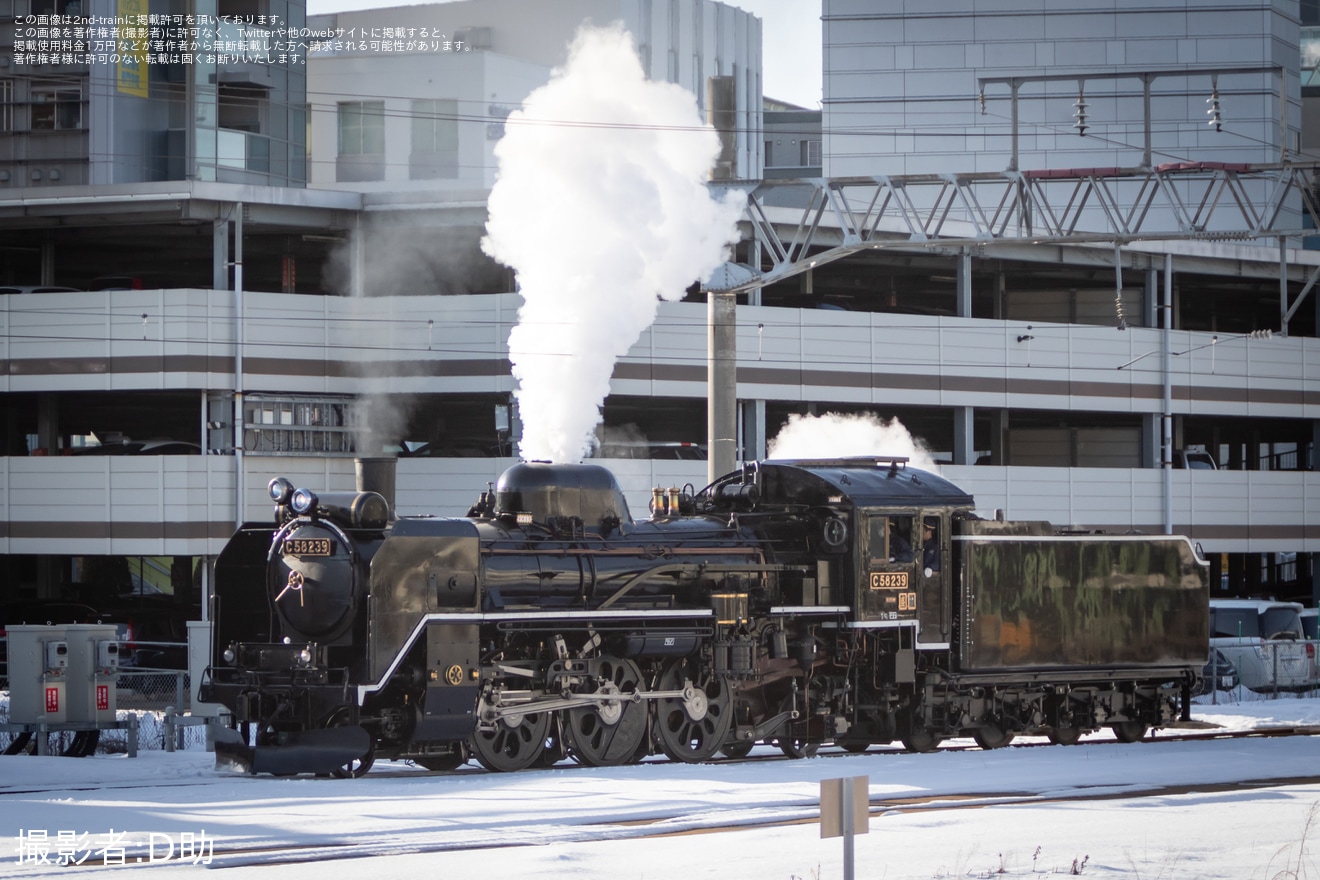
1032, 371
175, 91
433, 108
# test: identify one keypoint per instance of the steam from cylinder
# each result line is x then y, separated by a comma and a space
601, 208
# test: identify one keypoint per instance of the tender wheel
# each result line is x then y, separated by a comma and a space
991, 736
357, 768
1129, 731
691, 728
515, 743
609, 733
737, 749
854, 746
1064, 736
921, 741
799, 748
455, 759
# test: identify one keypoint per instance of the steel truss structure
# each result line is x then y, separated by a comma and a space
799, 224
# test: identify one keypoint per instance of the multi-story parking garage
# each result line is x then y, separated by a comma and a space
1002, 353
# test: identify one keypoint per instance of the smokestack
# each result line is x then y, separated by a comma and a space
377, 475
722, 114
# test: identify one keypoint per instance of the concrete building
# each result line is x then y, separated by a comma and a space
904, 84
433, 108
194, 91
1004, 357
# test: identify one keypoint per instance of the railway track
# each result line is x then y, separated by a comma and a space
675, 822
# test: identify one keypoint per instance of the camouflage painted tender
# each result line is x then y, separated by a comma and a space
1044, 601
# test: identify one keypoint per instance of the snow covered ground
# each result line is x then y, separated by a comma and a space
1251, 809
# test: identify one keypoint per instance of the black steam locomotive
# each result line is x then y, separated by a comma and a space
852, 602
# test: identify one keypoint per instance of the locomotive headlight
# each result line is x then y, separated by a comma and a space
305, 657
281, 490
229, 655
303, 501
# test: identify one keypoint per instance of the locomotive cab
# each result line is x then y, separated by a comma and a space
905, 555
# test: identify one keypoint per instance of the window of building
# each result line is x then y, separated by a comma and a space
6, 105
434, 139
361, 127
810, 153
56, 108
434, 126
278, 425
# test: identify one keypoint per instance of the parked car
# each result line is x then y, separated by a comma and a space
1311, 632
155, 633
1194, 459
1219, 674
135, 281
36, 288
141, 447
665, 451
1264, 641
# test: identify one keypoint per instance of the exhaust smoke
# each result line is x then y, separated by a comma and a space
601, 208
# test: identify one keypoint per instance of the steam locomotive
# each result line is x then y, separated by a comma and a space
851, 601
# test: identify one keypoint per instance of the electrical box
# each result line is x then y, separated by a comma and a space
93, 671
199, 658
38, 674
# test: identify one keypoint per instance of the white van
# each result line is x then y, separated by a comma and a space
1311, 632
1264, 640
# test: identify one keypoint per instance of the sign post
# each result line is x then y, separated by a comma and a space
845, 811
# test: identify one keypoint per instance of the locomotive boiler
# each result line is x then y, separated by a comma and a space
851, 602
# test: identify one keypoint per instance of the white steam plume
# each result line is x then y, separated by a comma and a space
834, 435
600, 207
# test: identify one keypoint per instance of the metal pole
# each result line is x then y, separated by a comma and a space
1283, 115
1283, 285
847, 815
721, 383
1145, 99
1166, 416
1013, 160
239, 476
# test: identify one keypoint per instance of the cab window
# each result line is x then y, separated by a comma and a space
891, 540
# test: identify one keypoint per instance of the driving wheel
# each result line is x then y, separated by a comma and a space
610, 732
514, 743
692, 727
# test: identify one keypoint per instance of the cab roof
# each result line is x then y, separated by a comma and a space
864, 482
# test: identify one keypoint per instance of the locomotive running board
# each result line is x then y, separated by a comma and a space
307, 751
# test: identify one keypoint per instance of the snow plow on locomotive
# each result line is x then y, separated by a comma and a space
852, 602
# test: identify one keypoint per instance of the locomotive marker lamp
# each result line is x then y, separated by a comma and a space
281, 490
303, 502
